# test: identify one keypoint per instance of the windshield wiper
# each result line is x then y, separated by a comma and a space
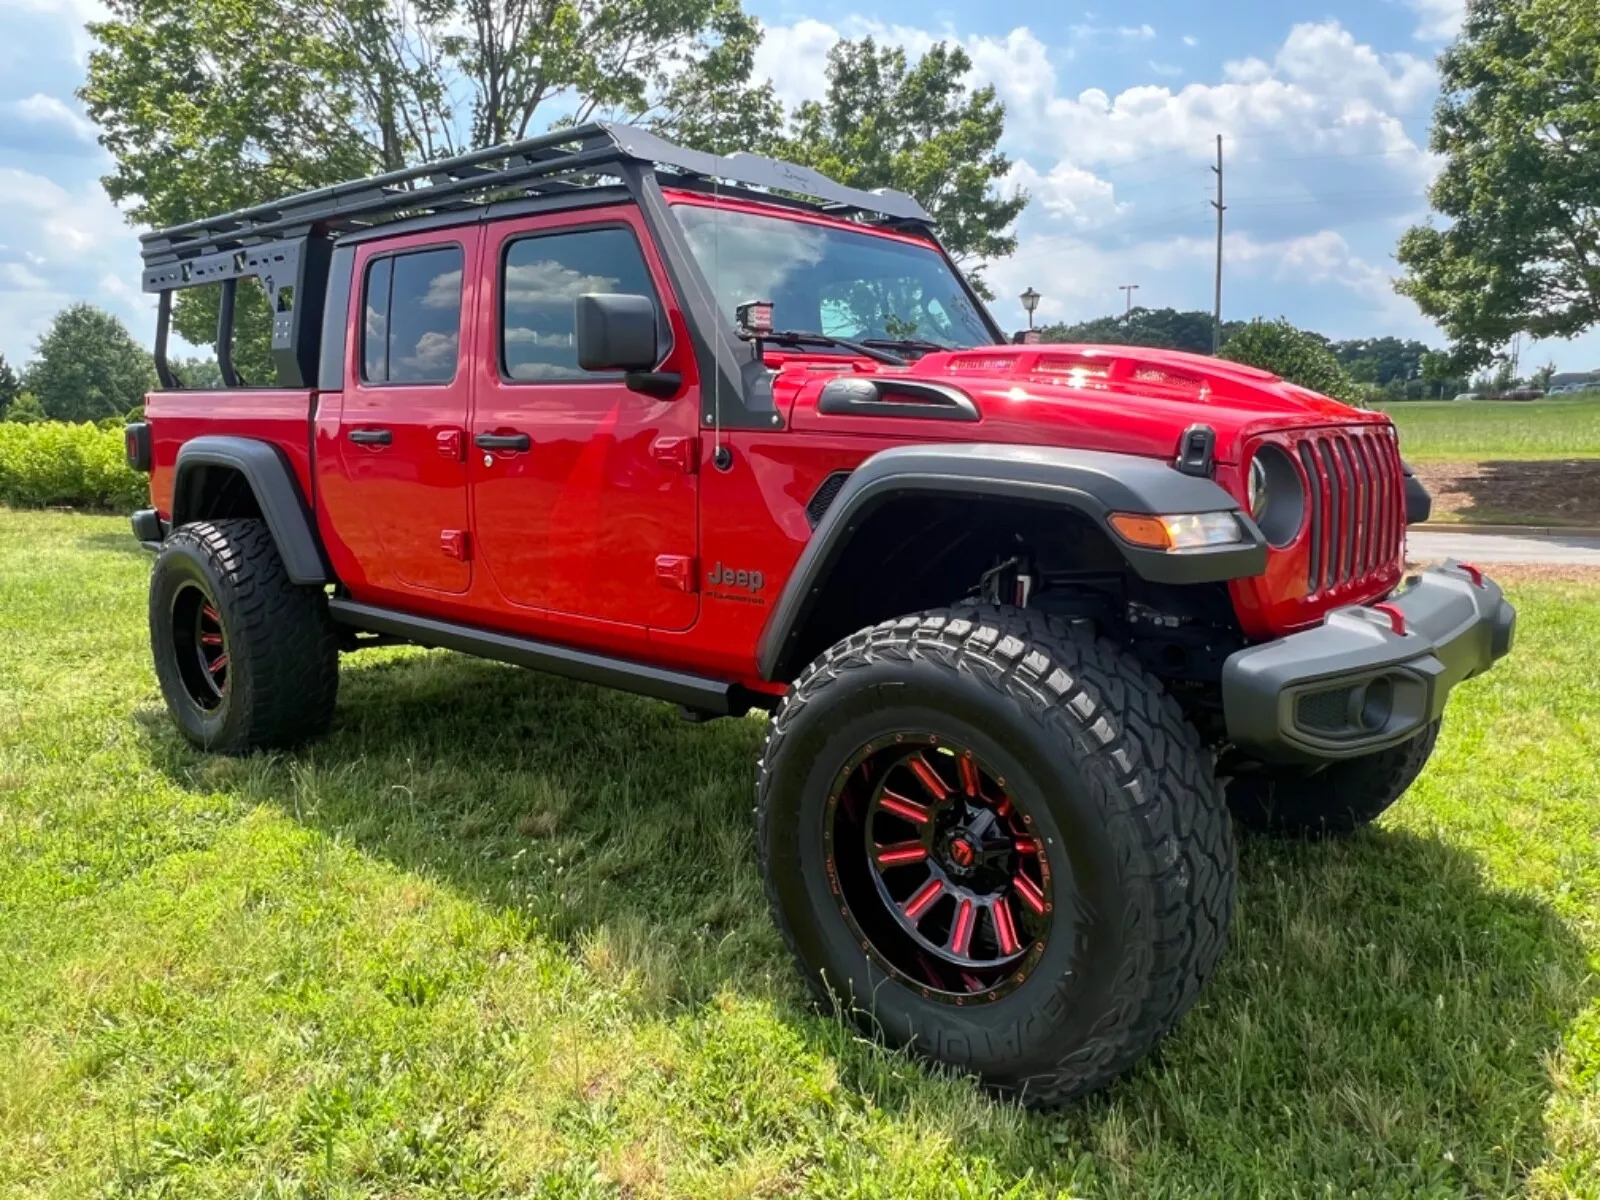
918, 344
794, 337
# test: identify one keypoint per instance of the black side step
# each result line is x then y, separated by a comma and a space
693, 691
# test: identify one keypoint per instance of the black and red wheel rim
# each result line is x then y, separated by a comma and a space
937, 868
200, 644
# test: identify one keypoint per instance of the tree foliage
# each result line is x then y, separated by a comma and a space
88, 367
1296, 355
10, 386
917, 127
1518, 124
1163, 328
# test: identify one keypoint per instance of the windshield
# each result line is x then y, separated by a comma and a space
834, 281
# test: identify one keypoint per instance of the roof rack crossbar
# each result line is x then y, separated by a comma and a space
534, 164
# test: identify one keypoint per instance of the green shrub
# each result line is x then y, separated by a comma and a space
56, 463
1293, 354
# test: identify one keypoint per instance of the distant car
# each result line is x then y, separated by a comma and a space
1467, 396
1523, 393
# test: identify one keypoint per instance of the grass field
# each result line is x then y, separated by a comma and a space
501, 935
1480, 430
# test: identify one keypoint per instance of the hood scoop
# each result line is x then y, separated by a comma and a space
892, 396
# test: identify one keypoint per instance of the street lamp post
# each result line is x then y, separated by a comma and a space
1030, 301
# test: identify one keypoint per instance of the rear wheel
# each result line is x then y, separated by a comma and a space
1338, 799
996, 841
245, 658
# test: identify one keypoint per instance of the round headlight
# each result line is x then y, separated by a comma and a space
1276, 495
1258, 487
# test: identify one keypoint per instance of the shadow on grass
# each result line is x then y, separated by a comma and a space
119, 542
1382, 1018
1513, 492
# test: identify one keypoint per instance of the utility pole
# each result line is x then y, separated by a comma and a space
1130, 289
1216, 310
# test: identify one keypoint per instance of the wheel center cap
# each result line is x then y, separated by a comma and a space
961, 852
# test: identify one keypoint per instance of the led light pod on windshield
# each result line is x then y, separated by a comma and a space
754, 317
1180, 531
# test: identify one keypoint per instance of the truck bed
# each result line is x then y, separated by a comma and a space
280, 416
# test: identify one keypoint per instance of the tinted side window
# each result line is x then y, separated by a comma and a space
412, 317
543, 277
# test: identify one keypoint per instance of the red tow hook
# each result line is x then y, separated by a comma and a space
1397, 619
1473, 573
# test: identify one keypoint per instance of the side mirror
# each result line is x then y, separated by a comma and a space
616, 332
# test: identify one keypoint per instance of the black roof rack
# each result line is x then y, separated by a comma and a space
539, 165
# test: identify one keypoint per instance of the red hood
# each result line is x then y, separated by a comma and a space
1118, 398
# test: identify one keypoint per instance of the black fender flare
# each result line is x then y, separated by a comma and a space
1090, 482
277, 494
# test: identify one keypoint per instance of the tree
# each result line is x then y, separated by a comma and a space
10, 386
210, 105
1295, 354
26, 409
200, 373
88, 367
1518, 124
885, 122
1163, 328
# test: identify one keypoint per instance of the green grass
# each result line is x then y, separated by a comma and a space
502, 935
1479, 430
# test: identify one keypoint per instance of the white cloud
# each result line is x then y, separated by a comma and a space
1190, 40
49, 115
1169, 70
1437, 20
1080, 197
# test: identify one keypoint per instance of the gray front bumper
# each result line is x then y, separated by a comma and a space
1352, 685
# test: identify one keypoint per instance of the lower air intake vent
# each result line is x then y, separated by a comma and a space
824, 496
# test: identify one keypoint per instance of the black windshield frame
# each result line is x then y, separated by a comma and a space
980, 326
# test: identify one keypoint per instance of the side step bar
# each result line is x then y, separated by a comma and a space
661, 683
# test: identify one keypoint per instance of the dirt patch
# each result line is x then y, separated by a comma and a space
1558, 492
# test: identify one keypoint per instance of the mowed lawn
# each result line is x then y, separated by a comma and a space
1481, 430
502, 935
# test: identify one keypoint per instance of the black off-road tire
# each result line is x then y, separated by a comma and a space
1337, 800
1115, 779
283, 658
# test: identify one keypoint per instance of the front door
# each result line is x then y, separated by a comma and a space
402, 433
583, 491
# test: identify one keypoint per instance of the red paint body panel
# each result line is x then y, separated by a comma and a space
615, 532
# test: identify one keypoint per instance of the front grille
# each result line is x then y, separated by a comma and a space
1358, 510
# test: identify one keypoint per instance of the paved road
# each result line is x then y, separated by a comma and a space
1571, 551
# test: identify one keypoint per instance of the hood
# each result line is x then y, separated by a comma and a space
1127, 399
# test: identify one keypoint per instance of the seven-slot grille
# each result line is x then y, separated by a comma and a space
1357, 502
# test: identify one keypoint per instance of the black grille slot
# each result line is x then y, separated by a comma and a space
824, 496
1324, 712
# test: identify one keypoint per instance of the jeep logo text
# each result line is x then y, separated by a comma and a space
721, 576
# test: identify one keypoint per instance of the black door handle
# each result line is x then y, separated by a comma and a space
502, 441
371, 437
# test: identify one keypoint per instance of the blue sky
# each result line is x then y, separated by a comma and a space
1112, 114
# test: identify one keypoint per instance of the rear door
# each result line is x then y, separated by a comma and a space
584, 497
402, 431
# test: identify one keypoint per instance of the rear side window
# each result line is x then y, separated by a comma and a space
411, 317
542, 280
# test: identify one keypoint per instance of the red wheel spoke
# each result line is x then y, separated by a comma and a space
929, 777
901, 807
215, 666
923, 900
901, 852
210, 613
1026, 845
969, 776
961, 931
1005, 931
211, 639
1029, 891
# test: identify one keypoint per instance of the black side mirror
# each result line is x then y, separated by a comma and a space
616, 332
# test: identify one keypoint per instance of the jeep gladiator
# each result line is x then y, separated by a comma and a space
1036, 624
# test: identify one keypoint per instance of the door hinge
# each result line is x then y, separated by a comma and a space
680, 452
450, 444
455, 544
677, 571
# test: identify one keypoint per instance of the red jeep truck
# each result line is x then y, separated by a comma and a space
1030, 619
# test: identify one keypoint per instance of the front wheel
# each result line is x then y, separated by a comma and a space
998, 842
